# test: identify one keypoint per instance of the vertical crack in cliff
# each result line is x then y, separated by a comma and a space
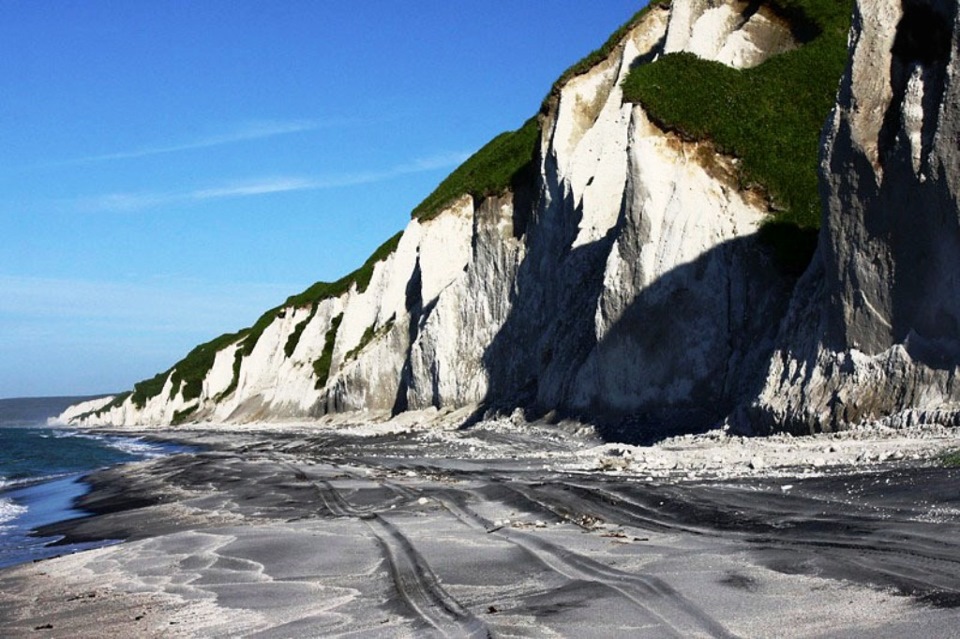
414, 306
923, 34
920, 52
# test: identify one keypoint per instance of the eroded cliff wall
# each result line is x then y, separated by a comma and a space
621, 280
874, 329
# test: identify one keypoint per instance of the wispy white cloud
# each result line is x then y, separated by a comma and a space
253, 130
261, 186
154, 305
137, 201
420, 165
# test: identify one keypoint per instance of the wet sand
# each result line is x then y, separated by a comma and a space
492, 532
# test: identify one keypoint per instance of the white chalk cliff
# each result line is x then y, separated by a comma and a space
623, 281
873, 332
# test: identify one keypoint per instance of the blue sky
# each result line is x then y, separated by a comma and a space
171, 169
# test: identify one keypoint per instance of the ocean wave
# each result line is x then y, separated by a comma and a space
9, 510
137, 447
58, 433
7, 483
70, 433
134, 446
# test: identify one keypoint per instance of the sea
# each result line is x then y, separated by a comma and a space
41, 473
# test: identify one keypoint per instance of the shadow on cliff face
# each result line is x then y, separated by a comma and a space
923, 33
688, 348
415, 311
685, 348
890, 246
926, 240
554, 283
922, 48
895, 286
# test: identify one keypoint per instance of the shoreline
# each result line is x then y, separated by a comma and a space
387, 530
714, 456
50, 482
48, 501
679, 459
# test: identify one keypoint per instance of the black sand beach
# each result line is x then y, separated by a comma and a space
397, 534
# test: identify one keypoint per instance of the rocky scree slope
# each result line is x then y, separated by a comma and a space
604, 260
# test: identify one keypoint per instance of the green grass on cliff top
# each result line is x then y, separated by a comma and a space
501, 162
490, 171
770, 116
323, 290
597, 56
190, 372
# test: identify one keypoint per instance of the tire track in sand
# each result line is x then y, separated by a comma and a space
420, 588
677, 615
415, 582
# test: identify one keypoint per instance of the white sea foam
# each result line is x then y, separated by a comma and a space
9, 511
137, 447
20, 482
64, 434
132, 446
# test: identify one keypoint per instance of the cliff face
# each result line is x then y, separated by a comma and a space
874, 329
621, 278
643, 290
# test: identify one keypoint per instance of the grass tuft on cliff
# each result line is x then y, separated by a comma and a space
323, 290
368, 336
597, 56
189, 373
769, 116
235, 380
490, 171
322, 365
294, 337
181, 416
